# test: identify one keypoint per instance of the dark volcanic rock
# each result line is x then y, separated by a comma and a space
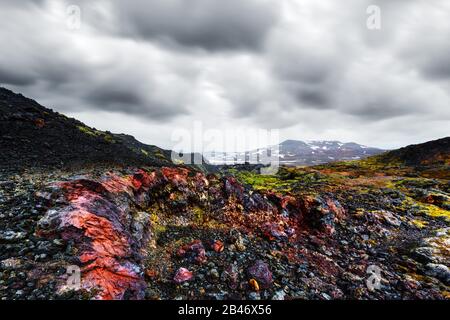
260, 271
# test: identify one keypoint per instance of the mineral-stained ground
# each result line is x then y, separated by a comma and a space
178, 233
137, 226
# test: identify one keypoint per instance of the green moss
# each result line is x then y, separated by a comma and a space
144, 152
96, 133
426, 209
87, 130
264, 182
367, 167
158, 154
407, 183
199, 215
157, 226
109, 138
288, 179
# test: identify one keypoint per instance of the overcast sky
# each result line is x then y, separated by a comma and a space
309, 68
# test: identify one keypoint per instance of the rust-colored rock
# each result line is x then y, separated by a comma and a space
322, 213
217, 246
194, 250
98, 226
254, 284
182, 275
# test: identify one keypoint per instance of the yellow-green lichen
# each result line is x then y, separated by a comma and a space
419, 223
160, 155
436, 212
96, 133
157, 226
199, 214
87, 130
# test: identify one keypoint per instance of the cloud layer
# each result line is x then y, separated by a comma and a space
311, 69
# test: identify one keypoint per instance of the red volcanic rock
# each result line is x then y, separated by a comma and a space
182, 275
97, 220
288, 200
107, 238
288, 206
322, 213
113, 279
152, 274
176, 176
142, 179
217, 246
233, 188
274, 231
194, 250
260, 272
200, 180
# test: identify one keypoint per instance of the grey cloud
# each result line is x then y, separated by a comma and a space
23, 2
203, 24
381, 108
314, 97
430, 57
13, 77
123, 98
302, 63
437, 70
111, 96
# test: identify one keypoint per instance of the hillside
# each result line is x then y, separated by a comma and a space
32, 136
428, 154
430, 159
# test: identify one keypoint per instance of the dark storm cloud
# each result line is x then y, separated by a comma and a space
122, 98
109, 96
431, 55
437, 70
205, 24
22, 3
13, 77
314, 97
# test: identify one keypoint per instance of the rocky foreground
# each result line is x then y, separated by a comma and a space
344, 231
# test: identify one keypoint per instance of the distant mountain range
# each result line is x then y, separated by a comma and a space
294, 152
